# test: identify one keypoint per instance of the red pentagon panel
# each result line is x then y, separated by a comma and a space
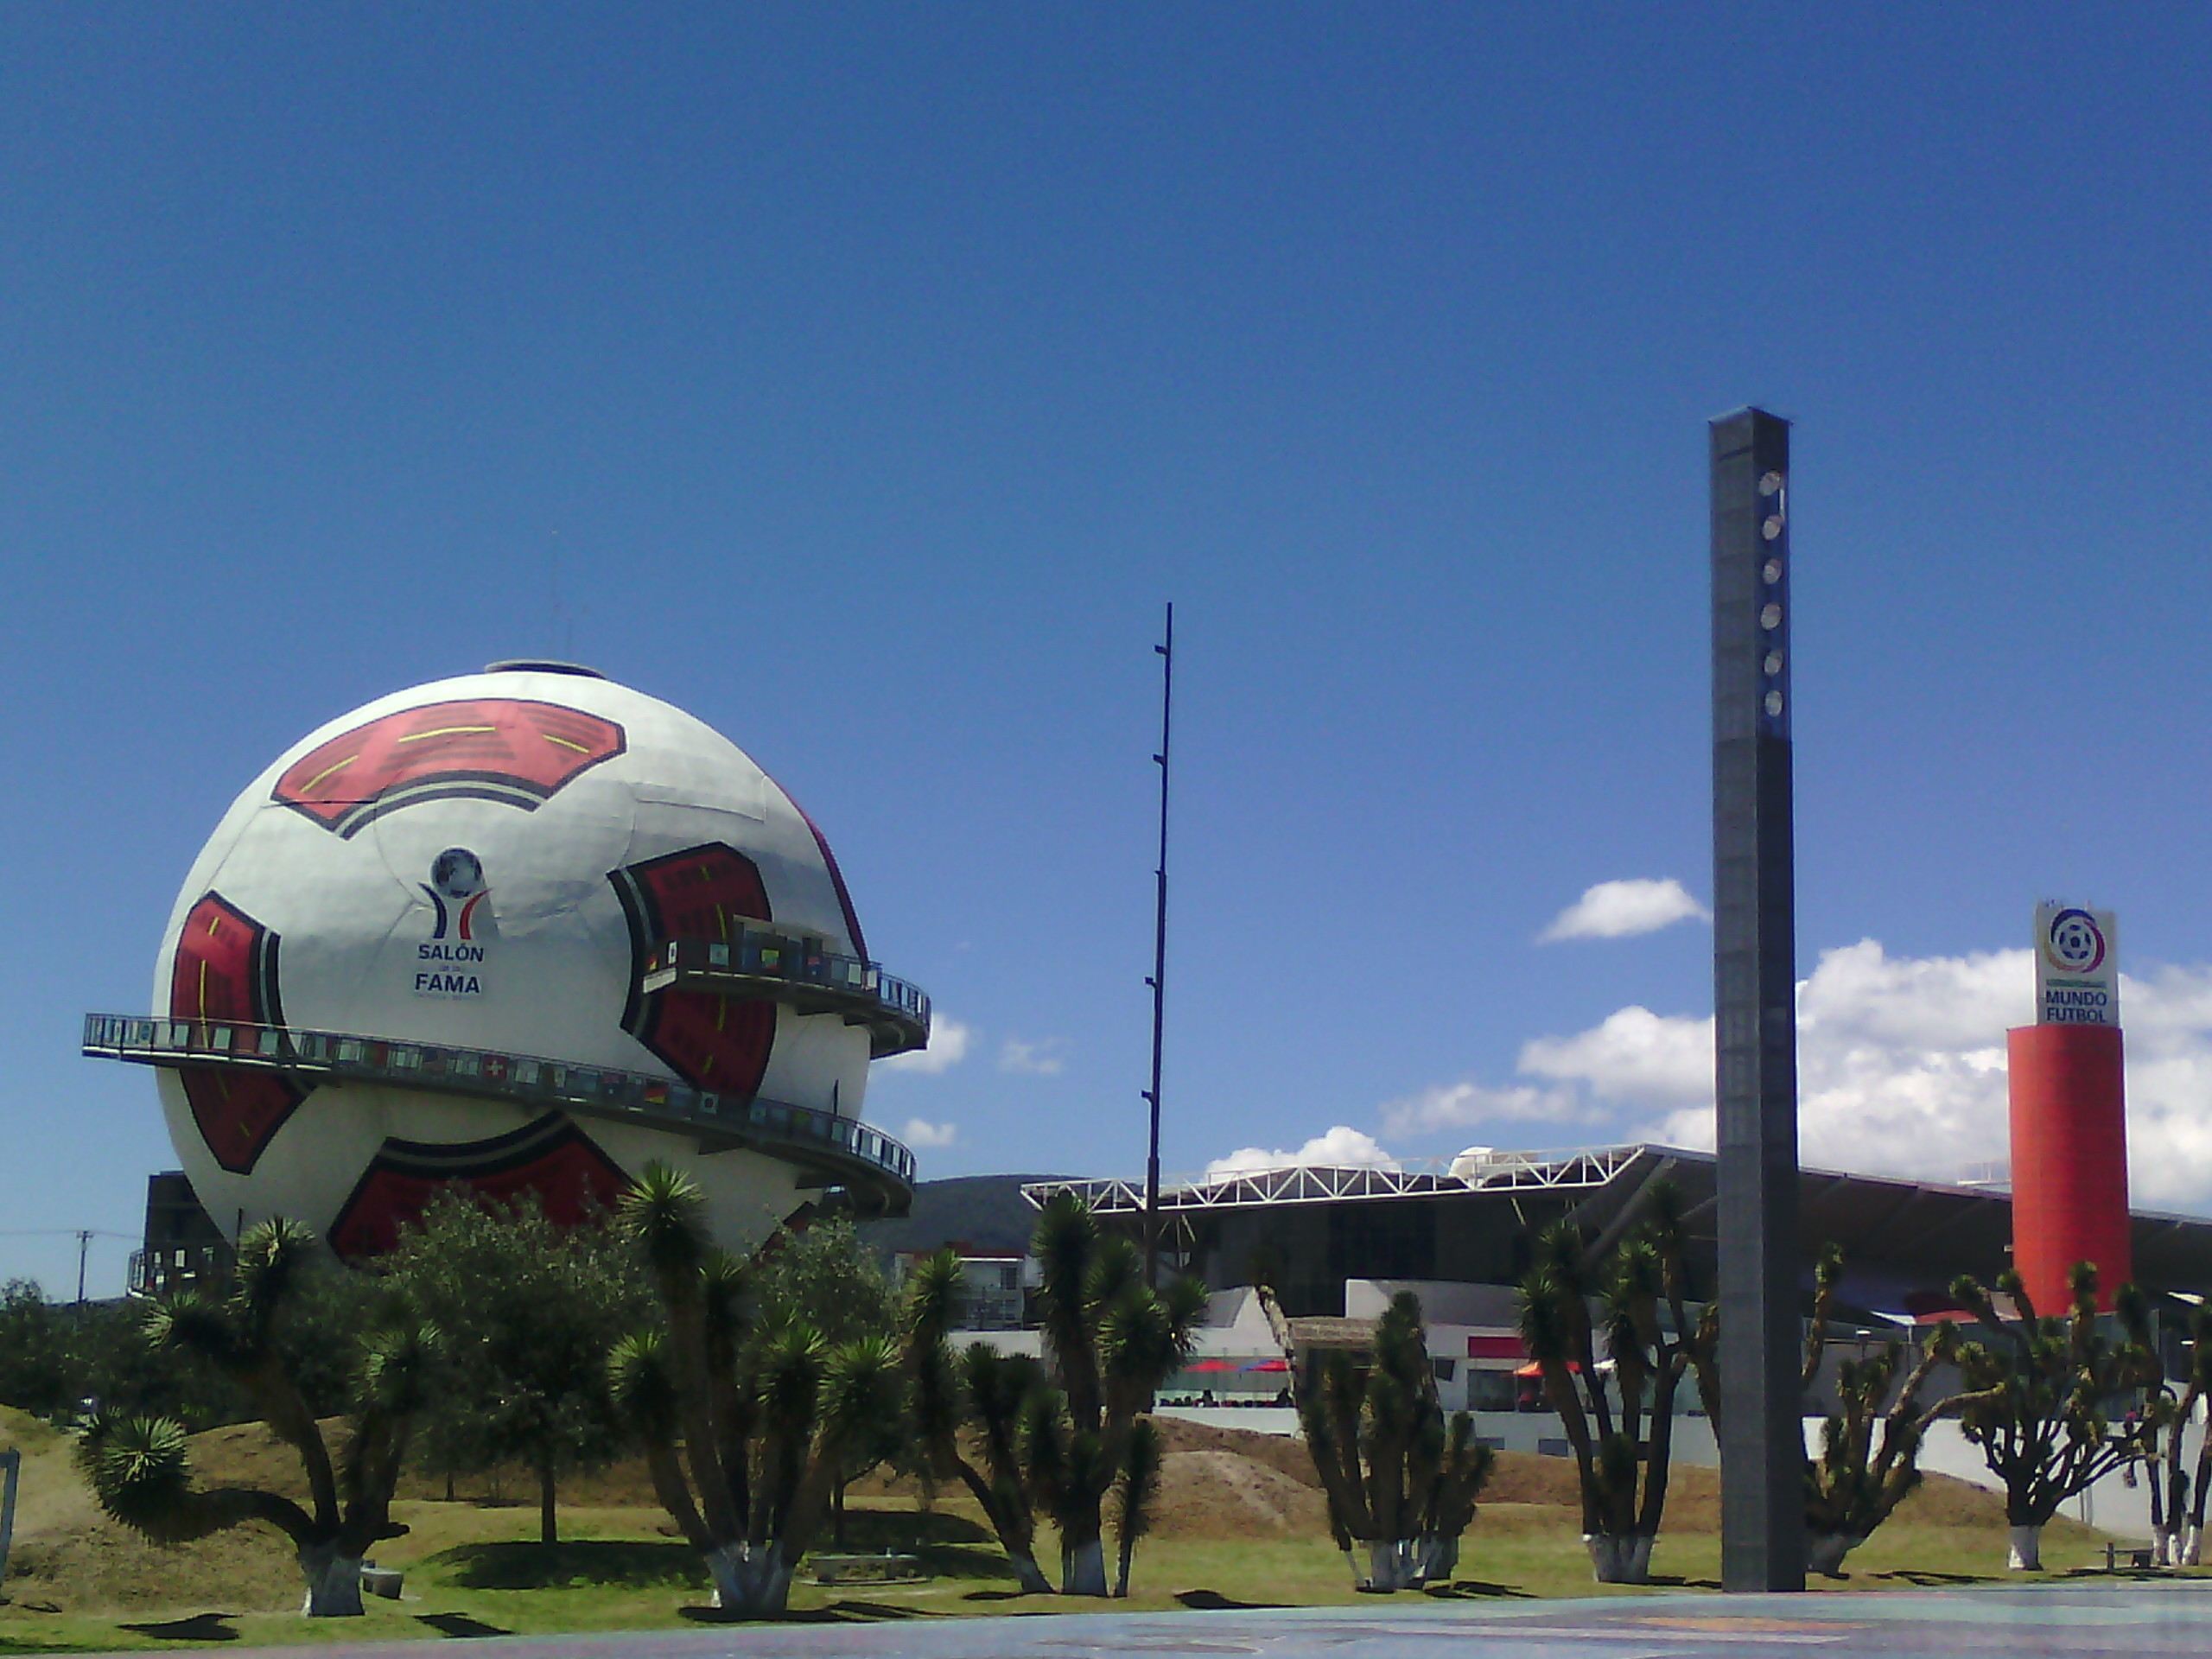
225, 970
712, 1042
551, 1157
486, 748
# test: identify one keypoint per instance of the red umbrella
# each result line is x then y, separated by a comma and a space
1269, 1365
1213, 1365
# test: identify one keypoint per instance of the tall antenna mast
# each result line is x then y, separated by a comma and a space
1158, 980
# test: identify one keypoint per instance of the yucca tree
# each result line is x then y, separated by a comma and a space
1624, 1484
2039, 1392
1112, 1342
1401, 1484
744, 1430
140, 1466
982, 1387
2180, 1542
1136, 1494
1870, 1448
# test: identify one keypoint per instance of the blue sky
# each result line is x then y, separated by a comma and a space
864, 378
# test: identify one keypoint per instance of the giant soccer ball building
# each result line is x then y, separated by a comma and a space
522, 930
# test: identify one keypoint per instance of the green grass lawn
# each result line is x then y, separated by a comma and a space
475, 1570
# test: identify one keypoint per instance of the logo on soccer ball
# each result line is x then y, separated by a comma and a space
456, 879
2074, 944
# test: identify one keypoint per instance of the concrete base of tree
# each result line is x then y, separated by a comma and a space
750, 1583
1619, 1557
2027, 1552
334, 1583
1083, 1569
2192, 1546
1824, 1552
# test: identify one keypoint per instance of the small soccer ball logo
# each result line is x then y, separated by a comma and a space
457, 872
2077, 945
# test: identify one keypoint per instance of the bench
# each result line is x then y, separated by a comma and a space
885, 1567
2139, 1555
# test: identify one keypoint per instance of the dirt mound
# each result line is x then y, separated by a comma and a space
1217, 1494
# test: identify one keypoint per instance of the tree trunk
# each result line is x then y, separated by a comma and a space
2026, 1552
1386, 1565
1435, 1556
837, 1513
334, 1581
549, 1521
1129, 1549
1639, 1557
1824, 1552
750, 1583
1028, 1575
1082, 1568
1619, 1557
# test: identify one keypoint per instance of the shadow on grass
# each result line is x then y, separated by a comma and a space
458, 1624
1926, 1579
634, 1564
200, 1627
838, 1613
1212, 1601
1475, 1590
1676, 1582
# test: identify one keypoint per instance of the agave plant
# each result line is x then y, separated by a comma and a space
140, 1467
763, 1423
2039, 1391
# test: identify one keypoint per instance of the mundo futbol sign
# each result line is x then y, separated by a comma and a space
2077, 971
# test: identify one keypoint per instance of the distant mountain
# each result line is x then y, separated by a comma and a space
985, 1212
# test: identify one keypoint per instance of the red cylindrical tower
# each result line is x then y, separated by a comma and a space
2070, 1160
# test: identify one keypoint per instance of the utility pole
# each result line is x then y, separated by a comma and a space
84, 1244
1158, 980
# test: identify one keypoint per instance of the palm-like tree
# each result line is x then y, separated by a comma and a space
982, 1387
1136, 1494
1113, 1341
140, 1467
2184, 1539
2037, 1394
1401, 1484
1870, 1448
764, 1419
1623, 1450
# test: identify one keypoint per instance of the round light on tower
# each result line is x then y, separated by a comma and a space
1770, 618
1774, 704
1773, 663
1771, 571
1772, 527
1770, 483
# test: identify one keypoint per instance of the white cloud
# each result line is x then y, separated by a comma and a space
1467, 1105
948, 1046
1342, 1148
1633, 1055
1037, 1059
1616, 910
923, 1135
1901, 1068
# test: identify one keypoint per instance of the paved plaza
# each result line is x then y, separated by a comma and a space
2122, 1616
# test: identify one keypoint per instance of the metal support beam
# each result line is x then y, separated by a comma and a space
1754, 970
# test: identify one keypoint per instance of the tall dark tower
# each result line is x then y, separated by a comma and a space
1754, 993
